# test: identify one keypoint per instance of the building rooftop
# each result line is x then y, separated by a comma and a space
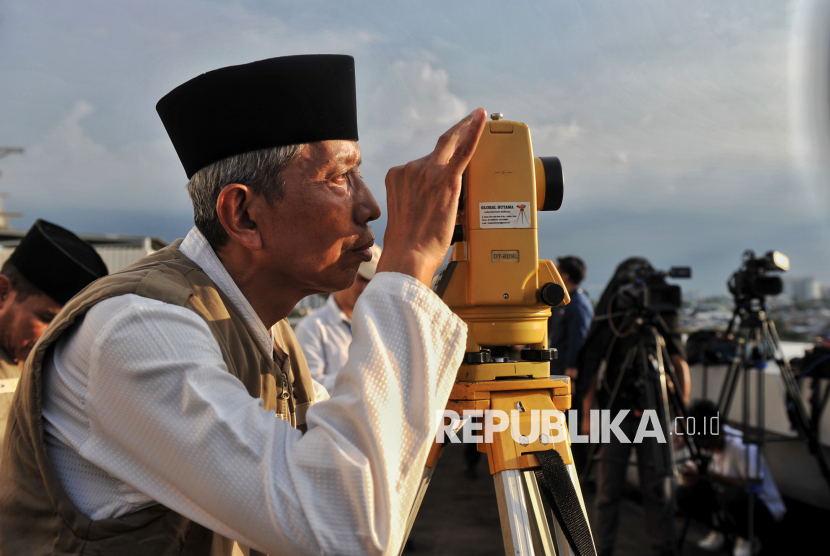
10, 238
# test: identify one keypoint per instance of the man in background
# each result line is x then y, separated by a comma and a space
50, 266
717, 495
610, 364
568, 325
325, 335
567, 328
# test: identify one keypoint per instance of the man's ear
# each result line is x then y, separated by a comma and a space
6, 289
233, 208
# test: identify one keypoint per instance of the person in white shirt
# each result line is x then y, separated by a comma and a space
718, 497
325, 334
137, 431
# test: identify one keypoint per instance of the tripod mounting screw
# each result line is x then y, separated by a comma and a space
552, 293
496, 116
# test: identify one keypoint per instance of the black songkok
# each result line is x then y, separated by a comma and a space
56, 261
265, 104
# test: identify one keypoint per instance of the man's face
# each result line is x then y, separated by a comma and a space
318, 234
23, 322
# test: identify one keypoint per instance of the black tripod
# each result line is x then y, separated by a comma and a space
647, 363
757, 345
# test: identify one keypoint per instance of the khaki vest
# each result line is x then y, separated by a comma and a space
9, 376
37, 517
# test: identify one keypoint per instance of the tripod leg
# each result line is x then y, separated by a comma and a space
544, 543
524, 521
727, 393
419, 498
516, 528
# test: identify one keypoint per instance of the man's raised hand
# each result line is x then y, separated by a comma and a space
422, 201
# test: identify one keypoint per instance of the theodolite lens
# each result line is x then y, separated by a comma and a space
550, 183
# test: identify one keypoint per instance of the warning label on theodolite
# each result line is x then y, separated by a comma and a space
504, 215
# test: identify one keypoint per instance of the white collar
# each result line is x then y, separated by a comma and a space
337, 311
196, 248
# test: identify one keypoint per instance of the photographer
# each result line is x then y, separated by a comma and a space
717, 495
610, 361
163, 410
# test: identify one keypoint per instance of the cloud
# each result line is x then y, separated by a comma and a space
68, 168
411, 105
413, 98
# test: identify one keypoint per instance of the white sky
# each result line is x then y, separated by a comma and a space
671, 119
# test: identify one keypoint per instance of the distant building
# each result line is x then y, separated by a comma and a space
802, 289
117, 251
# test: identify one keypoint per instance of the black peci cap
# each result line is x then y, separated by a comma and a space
56, 261
265, 104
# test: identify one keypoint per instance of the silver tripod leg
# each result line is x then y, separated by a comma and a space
419, 498
518, 512
524, 525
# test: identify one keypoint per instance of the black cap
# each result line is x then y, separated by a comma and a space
56, 261
265, 104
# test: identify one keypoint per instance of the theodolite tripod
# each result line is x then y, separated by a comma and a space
523, 471
757, 344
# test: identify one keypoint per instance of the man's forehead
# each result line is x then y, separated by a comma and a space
334, 153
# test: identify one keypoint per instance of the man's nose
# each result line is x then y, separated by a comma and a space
366, 207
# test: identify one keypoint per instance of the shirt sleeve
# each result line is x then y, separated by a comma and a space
167, 418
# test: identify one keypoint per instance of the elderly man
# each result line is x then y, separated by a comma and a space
48, 267
326, 334
158, 387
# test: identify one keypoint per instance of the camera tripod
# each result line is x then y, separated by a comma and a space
526, 471
659, 383
758, 344
660, 391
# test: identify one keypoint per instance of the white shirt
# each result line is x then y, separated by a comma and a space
325, 336
731, 462
140, 392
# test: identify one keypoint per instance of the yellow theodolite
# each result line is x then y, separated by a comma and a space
496, 283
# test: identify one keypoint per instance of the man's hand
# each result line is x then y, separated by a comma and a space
422, 201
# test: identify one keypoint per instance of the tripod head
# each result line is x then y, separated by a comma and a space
495, 280
751, 283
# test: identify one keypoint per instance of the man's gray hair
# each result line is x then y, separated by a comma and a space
259, 170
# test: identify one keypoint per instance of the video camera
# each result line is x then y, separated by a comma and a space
645, 289
751, 281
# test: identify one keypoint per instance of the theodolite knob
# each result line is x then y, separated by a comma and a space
552, 293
